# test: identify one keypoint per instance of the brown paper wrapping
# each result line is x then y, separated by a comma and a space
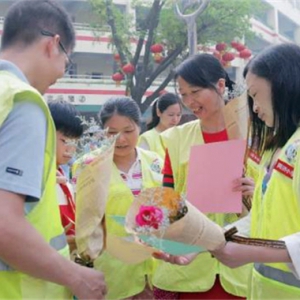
196, 229
236, 117
128, 251
91, 195
193, 229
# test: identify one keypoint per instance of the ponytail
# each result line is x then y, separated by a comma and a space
155, 118
161, 104
229, 83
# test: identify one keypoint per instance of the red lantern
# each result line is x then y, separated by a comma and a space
128, 68
117, 57
221, 46
245, 54
118, 77
162, 92
240, 47
228, 56
157, 49
224, 63
234, 44
159, 59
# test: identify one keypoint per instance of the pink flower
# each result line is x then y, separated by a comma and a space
149, 216
88, 160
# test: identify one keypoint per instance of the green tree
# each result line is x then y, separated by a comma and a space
156, 22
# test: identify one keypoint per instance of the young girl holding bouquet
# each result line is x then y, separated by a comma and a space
201, 83
133, 170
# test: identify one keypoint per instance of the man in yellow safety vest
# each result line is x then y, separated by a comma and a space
37, 41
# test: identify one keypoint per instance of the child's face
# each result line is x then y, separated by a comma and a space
170, 117
128, 134
65, 148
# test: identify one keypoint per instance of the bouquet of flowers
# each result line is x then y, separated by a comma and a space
91, 176
159, 219
163, 213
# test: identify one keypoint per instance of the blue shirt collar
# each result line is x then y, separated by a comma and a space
6, 65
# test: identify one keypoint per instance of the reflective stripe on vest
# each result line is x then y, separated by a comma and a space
277, 275
58, 243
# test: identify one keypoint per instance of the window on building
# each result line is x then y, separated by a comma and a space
141, 13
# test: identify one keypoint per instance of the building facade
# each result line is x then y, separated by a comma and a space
89, 83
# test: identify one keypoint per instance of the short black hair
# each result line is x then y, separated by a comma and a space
203, 70
280, 66
123, 106
26, 19
66, 118
162, 103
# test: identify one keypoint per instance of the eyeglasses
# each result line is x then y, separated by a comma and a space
70, 63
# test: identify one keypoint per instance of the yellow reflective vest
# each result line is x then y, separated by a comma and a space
200, 275
124, 280
276, 214
152, 138
45, 216
253, 161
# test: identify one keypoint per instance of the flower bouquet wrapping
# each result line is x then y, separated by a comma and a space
236, 114
159, 219
163, 213
236, 117
91, 174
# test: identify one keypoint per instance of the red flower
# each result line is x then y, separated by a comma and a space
149, 216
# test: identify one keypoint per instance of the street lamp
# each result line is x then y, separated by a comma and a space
190, 20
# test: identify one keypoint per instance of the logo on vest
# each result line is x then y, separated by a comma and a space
14, 171
254, 156
291, 152
155, 166
284, 168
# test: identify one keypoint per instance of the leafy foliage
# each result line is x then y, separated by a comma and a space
157, 22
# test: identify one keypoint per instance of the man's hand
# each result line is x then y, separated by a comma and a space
16, 232
89, 284
182, 260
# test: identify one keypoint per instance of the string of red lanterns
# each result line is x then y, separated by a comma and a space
226, 56
125, 69
129, 68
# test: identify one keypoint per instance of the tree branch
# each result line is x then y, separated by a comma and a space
149, 99
117, 41
165, 63
151, 25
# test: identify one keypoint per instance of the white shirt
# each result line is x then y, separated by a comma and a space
134, 178
292, 243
